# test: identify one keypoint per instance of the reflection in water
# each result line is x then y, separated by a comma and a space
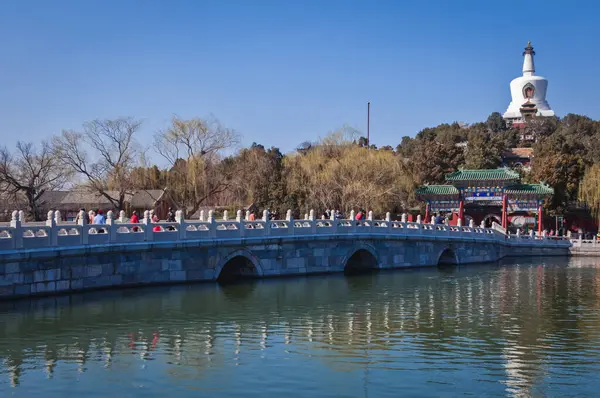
516, 329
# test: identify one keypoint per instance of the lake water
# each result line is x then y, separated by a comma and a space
514, 329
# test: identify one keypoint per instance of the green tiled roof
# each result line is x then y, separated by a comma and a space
437, 190
529, 189
483, 175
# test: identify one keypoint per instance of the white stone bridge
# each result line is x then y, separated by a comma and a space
57, 256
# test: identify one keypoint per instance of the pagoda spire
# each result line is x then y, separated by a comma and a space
528, 65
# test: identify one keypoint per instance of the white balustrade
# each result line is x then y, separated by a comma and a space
57, 233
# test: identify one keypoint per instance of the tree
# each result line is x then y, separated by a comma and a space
482, 152
560, 165
104, 155
194, 150
431, 161
338, 174
589, 190
30, 172
496, 123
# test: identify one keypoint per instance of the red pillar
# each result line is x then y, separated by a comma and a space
461, 212
504, 218
540, 219
427, 217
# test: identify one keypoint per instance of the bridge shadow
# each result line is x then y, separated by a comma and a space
448, 258
237, 269
361, 262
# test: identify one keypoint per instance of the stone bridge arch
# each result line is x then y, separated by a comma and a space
240, 264
447, 256
361, 258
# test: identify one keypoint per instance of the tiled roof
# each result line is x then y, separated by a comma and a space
529, 189
146, 198
437, 190
483, 175
88, 199
518, 153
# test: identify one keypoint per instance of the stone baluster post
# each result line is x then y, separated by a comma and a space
225, 215
370, 215
57, 221
265, 218
290, 222
353, 223
51, 222
432, 221
202, 218
17, 230
471, 223
22, 216
82, 221
459, 222
247, 216
388, 221
122, 217
57, 217
531, 234
313, 222
148, 232
112, 228
240, 220
334, 223
419, 219
212, 226
181, 226
404, 218
482, 225
306, 216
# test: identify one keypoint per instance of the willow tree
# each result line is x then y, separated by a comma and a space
589, 189
194, 149
337, 174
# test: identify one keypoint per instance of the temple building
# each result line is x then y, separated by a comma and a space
528, 94
487, 195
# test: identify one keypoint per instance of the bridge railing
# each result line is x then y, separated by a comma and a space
57, 233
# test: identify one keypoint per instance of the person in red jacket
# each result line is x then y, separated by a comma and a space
134, 220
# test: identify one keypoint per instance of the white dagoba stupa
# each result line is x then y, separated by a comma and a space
528, 94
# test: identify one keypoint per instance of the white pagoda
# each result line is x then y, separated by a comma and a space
528, 94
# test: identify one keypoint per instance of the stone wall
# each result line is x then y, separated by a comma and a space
49, 271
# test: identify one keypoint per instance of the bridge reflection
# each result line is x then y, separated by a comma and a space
503, 318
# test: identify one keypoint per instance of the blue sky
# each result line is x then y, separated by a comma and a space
283, 72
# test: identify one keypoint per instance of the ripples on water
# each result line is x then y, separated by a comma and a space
511, 330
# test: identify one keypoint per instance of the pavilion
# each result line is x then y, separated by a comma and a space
484, 194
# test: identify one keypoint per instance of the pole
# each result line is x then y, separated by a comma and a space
540, 219
368, 124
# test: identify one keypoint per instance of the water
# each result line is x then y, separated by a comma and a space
527, 329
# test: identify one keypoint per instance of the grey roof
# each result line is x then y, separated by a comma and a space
88, 199
146, 198
52, 199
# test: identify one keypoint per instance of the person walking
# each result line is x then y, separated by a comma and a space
134, 220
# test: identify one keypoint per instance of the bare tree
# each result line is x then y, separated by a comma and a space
30, 172
193, 149
104, 154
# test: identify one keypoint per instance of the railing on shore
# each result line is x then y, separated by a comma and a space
586, 243
57, 233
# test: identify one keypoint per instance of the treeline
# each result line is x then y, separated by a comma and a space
206, 167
